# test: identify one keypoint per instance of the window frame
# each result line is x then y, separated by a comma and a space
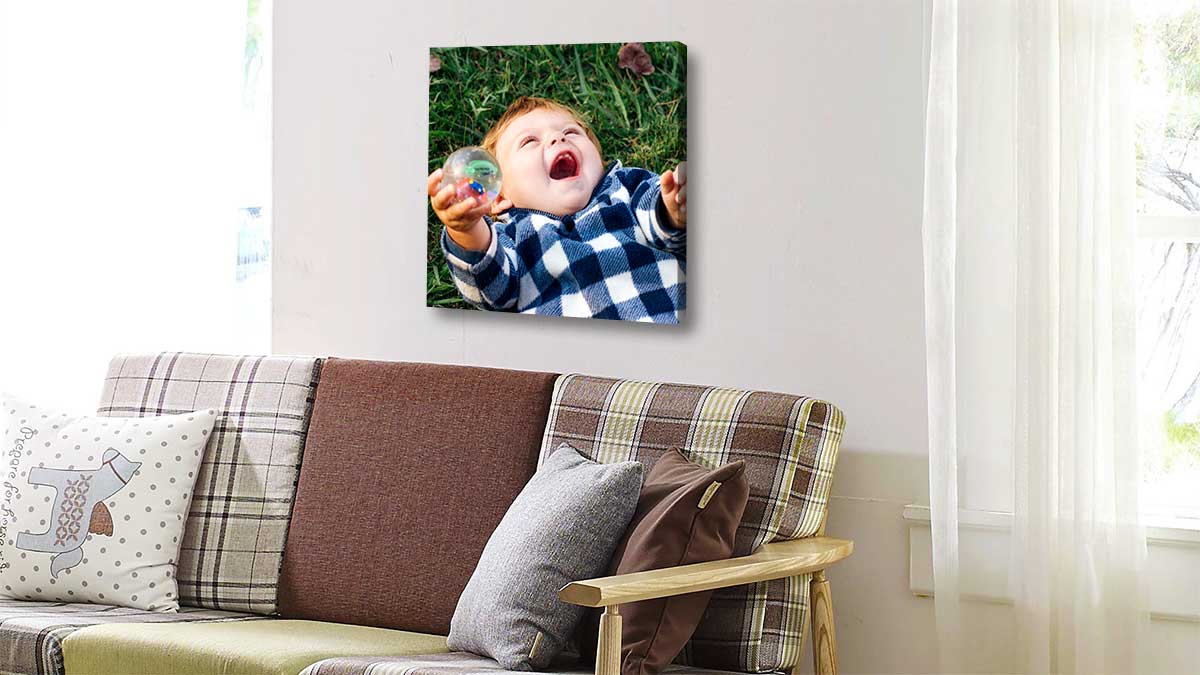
1174, 227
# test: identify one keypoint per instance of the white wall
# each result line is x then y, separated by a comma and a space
805, 153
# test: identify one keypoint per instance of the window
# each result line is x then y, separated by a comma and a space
1168, 176
135, 198
253, 273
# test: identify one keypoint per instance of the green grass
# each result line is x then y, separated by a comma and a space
640, 121
1182, 441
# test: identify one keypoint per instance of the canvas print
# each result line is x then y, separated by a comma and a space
558, 180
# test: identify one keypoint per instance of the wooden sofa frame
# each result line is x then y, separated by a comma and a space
776, 560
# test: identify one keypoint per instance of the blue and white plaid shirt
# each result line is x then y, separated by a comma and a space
614, 259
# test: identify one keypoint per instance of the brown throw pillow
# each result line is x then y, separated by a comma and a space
686, 514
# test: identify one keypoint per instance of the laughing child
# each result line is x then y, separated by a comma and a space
567, 236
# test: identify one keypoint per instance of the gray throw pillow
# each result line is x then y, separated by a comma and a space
563, 527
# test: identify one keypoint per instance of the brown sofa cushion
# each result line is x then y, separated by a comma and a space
407, 470
687, 513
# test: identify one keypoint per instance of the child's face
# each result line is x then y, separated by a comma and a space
548, 163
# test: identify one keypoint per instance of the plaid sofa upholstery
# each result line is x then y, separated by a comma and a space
789, 444
233, 541
454, 663
31, 633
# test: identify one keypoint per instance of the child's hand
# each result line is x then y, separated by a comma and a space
674, 195
461, 216
464, 220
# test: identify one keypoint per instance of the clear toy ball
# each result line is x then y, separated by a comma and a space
474, 173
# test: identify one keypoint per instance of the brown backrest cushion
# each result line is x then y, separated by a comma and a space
407, 470
687, 513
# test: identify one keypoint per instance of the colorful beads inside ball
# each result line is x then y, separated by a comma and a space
474, 173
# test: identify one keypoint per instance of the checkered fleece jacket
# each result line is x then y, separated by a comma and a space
614, 259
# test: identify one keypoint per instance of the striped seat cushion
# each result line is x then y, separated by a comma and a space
454, 663
31, 633
789, 444
234, 535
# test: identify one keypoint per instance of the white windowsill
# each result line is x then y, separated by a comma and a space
1173, 560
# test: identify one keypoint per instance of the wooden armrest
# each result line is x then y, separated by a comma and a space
771, 561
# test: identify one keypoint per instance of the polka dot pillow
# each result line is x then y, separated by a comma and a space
93, 508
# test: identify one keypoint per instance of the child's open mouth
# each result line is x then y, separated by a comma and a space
564, 166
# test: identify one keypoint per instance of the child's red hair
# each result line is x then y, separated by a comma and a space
527, 104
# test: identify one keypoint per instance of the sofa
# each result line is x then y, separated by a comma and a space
342, 505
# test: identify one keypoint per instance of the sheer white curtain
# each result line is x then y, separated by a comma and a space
1029, 243
117, 209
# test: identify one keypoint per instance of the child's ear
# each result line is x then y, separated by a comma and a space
501, 204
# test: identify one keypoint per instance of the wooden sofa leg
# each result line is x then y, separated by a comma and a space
824, 645
608, 648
